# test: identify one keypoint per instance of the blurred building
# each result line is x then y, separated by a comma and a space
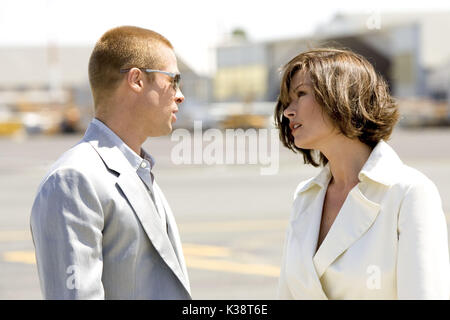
242, 71
407, 49
47, 83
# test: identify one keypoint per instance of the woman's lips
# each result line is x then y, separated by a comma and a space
295, 129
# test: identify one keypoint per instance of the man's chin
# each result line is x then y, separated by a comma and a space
170, 129
162, 133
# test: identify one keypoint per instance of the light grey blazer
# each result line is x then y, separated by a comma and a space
97, 233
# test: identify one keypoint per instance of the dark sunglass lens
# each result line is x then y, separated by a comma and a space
176, 81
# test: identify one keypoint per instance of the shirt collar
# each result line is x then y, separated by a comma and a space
148, 157
133, 158
380, 167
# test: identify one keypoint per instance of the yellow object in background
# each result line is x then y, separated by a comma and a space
10, 127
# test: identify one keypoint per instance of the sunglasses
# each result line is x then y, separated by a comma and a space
176, 77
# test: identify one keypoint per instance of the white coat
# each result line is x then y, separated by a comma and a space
389, 240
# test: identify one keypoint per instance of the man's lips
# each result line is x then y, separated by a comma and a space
174, 117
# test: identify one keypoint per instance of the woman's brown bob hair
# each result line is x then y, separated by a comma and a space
351, 93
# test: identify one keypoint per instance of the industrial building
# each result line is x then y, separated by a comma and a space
40, 86
409, 50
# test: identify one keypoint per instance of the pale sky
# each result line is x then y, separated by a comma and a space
194, 27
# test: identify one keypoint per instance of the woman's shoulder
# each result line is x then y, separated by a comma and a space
409, 177
385, 166
416, 189
421, 203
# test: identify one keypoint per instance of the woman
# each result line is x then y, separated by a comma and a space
367, 226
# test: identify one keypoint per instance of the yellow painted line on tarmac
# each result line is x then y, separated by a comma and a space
216, 226
197, 257
190, 249
232, 267
26, 257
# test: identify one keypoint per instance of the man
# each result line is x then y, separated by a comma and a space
101, 226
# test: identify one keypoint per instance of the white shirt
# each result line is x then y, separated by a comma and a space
389, 240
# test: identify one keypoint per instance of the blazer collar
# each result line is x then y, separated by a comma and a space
116, 155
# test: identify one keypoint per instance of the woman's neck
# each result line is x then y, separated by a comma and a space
346, 157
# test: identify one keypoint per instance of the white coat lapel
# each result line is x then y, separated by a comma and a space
358, 213
305, 229
355, 217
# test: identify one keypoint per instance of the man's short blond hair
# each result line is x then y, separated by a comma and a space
121, 48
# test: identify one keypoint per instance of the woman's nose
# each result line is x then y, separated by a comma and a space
289, 112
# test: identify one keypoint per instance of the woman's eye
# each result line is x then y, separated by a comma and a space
301, 93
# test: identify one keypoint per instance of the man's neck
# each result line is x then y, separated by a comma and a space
125, 131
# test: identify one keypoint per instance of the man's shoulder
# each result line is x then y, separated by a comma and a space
81, 158
77, 156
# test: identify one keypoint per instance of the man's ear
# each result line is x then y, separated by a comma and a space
134, 79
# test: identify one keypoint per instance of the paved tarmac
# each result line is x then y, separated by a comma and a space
232, 219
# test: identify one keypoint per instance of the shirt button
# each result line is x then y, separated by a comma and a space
143, 165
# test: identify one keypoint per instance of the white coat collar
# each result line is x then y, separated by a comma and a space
381, 167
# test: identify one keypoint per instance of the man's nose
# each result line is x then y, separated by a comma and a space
179, 98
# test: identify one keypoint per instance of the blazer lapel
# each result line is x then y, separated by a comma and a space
173, 234
145, 210
355, 217
138, 198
